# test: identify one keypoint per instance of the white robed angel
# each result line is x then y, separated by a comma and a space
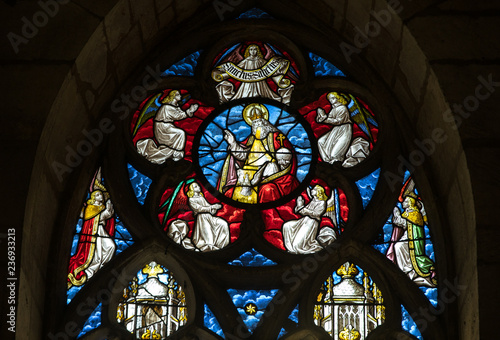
170, 140
337, 144
210, 232
301, 236
333, 145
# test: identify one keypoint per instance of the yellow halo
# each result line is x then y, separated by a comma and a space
249, 112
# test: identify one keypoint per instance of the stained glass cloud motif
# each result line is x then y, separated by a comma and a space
349, 305
308, 223
255, 153
92, 322
409, 324
254, 69
140, 183
195, 219
252, 258
99, 236
431, 294
164, 126
251, 304
294, 315
406, 240
323, 67
345, 127
292, 322
255, 13
153, 305
184, 67
367, 185
210, 321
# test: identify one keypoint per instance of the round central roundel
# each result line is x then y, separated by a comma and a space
254, 153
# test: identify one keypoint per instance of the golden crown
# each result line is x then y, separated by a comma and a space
348, 270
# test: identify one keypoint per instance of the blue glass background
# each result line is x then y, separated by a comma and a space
72, 293
184, 67
431, 294
140, 183
260, 297
406, 176
385, 237
163, 278
213, 148
409, 325
252, 258
323, 68
92, 322
210, 321
294, 315
255, 13
367, 185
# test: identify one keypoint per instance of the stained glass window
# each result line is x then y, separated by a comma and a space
265, 178
251, 304
92, 322
99, 236
210, 322
350, 305
323, 67
153, 306
406, 240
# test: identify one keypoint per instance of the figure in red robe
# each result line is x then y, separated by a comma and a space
263, 167
96, 246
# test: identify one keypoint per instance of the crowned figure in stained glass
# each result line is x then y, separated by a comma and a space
261, 168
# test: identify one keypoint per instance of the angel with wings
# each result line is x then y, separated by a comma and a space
96, 245
251, 73
169, 141
301, 236
337, 145
210, 231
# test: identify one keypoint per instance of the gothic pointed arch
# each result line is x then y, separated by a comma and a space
118, 68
